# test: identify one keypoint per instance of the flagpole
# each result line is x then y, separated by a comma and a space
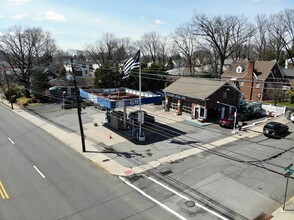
140, 108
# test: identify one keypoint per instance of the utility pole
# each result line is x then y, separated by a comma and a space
7, 82
78, 107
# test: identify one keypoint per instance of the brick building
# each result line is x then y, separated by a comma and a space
256, 80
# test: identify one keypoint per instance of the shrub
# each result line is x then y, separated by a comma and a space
13, 93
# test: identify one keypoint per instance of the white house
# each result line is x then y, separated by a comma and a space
82, 68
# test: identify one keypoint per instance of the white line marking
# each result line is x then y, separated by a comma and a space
151, 198
39, 172
186, 198
168, 188
11, 140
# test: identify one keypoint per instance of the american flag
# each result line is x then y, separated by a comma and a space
131, 63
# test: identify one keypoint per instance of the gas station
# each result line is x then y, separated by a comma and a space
114, 98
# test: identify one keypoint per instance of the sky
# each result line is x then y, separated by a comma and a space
75, 23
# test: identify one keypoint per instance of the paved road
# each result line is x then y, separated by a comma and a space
40, 178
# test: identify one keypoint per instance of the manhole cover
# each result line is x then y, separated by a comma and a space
190, 203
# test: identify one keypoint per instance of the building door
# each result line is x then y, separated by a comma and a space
196, 112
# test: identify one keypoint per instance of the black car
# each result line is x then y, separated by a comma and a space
147, 118
275, 129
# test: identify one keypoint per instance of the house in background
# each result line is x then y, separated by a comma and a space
82, 68
198, 98
51, 74
256, 80
289, 64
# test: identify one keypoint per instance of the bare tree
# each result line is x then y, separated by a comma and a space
281, 30
277, 36
260, 38
123, 49
26, 48
110, 50
102, 50
149, 44
224, 34
185, 43
163, 48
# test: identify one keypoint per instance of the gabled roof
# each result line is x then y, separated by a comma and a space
195, 87
262, 69
179, 71
287, 72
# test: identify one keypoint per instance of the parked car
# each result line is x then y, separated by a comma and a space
251, 110
229, 121
70, 100
275, 129
147, 118
292, 117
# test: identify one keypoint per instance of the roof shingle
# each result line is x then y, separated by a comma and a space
194, 87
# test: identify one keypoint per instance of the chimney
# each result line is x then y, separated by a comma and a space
251, 64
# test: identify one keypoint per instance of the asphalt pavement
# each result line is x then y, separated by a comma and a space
116, 151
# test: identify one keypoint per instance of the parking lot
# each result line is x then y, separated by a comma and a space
246, 167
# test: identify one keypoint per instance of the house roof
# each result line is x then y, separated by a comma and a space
262, 69
179, 71
288, 72
195, 87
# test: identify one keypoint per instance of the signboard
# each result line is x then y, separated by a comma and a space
141, 117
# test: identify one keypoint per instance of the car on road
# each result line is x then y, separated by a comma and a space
229, 120
147, 118
275, 129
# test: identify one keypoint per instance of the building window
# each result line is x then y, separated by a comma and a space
239, 69
224, 95
241, 84
257, 85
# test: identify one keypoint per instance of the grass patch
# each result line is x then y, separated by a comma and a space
23, 101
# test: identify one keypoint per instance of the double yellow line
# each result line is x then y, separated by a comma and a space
3, 192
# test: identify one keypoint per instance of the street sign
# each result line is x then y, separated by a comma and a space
287, 174
288, 167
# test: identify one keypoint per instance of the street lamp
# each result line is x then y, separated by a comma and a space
1, 97
63, 93
235, 114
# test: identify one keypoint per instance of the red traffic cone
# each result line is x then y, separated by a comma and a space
110, 137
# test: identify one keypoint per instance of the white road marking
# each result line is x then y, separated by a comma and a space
168, 188
186, 198
152, 199
11, 140
39, 172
